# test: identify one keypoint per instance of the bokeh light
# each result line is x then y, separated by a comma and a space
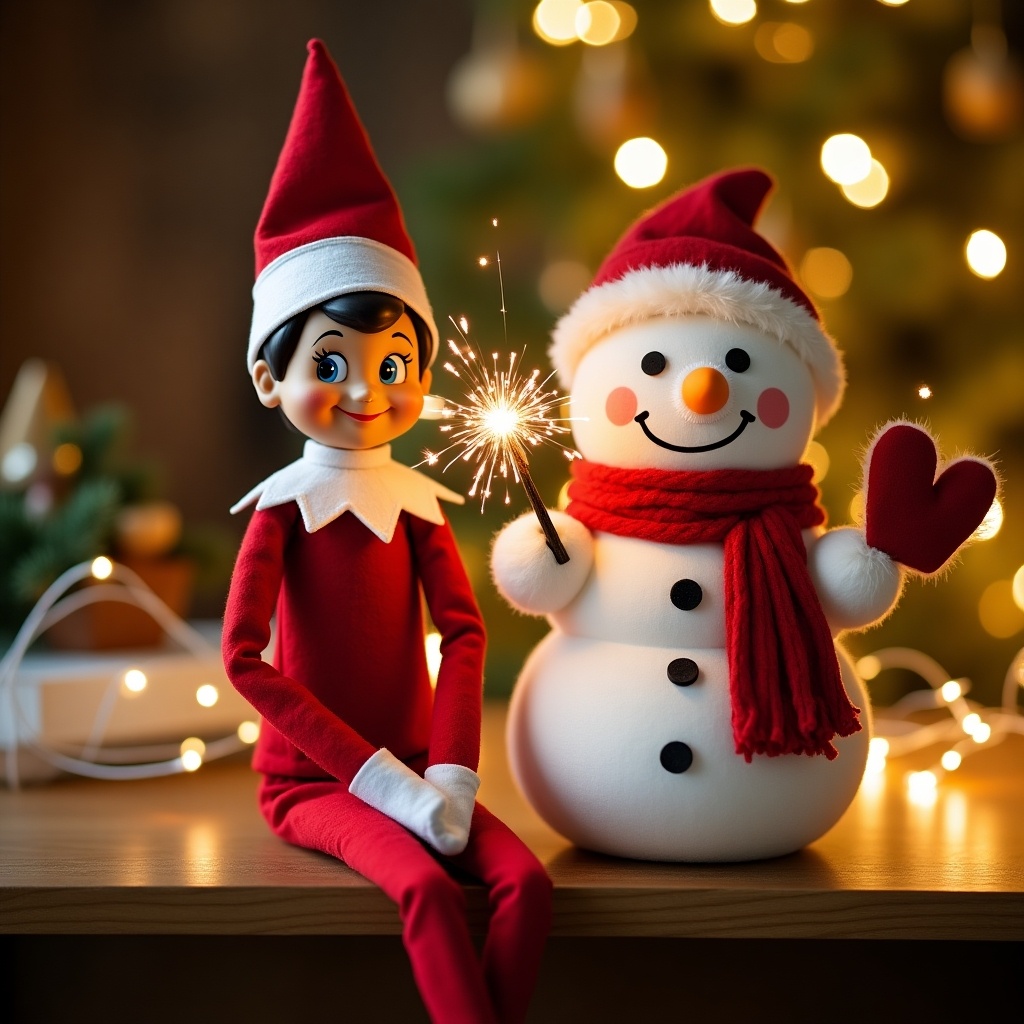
207, 695
826, 272
641, 162
597, 23
733, 12
555, 21
871, 189
986, 254
846, 158
992, 523
785, 43
102, 568
999, 614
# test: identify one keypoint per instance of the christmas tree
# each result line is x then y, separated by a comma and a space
922, 106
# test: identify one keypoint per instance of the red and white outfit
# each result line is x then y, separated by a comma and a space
361, 758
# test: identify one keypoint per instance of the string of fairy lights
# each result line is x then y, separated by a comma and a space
111, 581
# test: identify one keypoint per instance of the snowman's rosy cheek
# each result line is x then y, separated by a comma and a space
620, 406
773, 408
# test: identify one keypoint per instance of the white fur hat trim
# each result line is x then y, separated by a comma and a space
313, 273
682, 288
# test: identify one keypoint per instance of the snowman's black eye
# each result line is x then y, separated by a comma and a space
652, 364
737, 360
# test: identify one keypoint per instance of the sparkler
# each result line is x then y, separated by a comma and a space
503, 414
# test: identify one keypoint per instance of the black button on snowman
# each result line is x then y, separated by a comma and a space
698, 371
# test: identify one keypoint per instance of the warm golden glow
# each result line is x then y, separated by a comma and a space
786, 43
67, 458
921, 788
970, 723
191, 760
1017, 588
192, 752
641, 162
817, 456
135, 680
999, 613
102, 567
891, 3
857, 505
951, 760
249, 732
598, 23
986, 254
207, 695
555, 21
432, 642
878, 751
868, 667
733, 12
826, 272
992, 523
924, 391
950, 691
982, 733
483, 261
846, 158
871, 189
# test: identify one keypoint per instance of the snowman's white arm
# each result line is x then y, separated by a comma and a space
526, 573
857, 584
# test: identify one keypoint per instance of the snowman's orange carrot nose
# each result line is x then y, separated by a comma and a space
705, 390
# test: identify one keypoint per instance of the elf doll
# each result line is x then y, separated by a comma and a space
360, 759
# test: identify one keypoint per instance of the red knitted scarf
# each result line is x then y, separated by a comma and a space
787, 693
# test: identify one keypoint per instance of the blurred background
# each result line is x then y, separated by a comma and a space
138, 139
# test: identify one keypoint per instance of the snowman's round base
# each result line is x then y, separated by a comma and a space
592, 726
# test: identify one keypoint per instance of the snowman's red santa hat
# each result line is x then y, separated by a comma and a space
331, 224
697, 253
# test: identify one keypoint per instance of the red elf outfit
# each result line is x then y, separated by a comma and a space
361, 758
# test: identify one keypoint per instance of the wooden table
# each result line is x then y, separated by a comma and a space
189, 856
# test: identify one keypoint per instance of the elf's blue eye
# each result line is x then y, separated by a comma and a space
331, 368
393, 369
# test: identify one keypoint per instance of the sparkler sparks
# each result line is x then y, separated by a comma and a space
503, 414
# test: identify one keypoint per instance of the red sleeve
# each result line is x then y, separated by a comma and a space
286, 704
455, 730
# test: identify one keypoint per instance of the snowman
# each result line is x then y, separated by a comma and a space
690, 702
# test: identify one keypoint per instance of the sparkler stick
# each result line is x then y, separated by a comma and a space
503, 413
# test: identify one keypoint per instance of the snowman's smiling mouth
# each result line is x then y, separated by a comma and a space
745, 418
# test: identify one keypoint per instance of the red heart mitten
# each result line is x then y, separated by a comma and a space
916, 518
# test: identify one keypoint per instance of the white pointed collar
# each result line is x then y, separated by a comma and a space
326, 482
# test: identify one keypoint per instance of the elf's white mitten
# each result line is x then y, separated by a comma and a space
394, 789
525, 572
857, 584
459, 785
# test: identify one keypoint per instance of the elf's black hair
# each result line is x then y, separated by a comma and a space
368, 312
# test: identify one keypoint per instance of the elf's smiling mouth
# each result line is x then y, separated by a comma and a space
745, 418
363, 417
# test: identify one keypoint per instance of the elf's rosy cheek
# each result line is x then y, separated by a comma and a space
620, 406
773, 408
319, 404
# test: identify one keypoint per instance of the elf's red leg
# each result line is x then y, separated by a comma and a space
324, 816
519, 893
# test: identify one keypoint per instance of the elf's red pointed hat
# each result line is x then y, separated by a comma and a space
331, 223
698, 253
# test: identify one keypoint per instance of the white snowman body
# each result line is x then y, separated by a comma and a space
620, 728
